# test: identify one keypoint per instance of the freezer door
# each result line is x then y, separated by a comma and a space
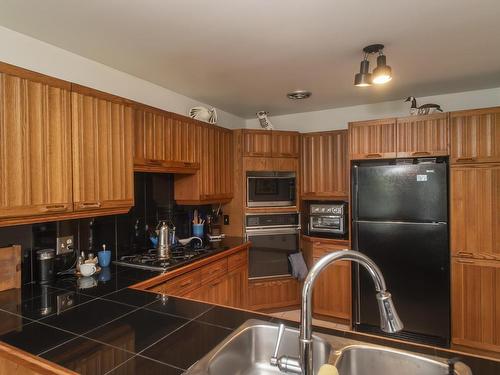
414, 259
413, 192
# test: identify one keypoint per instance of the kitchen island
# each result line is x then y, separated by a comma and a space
115, 328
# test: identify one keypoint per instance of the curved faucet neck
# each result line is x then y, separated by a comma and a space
305, 337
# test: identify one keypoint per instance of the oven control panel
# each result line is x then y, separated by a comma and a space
272, 220
327, 209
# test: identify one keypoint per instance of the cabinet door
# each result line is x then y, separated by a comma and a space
475, 136
422, 136
270, 294
151, 130
285, 144
164, 142
184, 143
257, 143
476, 304
372, 139
332, 292
102, 153
214, 181
238, 287
475, 211
35, 146
325, 165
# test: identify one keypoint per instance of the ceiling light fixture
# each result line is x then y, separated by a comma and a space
299, 94
381, 74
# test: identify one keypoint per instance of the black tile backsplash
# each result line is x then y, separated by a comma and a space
122, 234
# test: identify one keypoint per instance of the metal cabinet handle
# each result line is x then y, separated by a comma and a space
154, 161
465, 253
55, 207
375, 155
90, 204
417, 153
466, 159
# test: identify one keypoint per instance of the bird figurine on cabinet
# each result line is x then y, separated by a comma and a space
425, 109
204, 114
264, 121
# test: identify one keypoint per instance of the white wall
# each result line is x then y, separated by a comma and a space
337, 118
29, 53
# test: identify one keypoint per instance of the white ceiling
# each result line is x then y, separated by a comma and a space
244, 55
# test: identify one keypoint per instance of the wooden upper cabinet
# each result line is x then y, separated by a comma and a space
35, 144
257, 143
475, 304
324, 165
285, 144
475, 136
102, 151
374, 139
475, 211
214, 181
163, 142
422, 136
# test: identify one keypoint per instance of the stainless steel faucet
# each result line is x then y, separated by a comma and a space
389, 319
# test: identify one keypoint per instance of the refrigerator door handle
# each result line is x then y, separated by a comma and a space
357, 299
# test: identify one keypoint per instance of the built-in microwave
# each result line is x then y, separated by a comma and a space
271, 189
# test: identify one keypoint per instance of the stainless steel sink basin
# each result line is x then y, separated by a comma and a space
371, 360
248, 351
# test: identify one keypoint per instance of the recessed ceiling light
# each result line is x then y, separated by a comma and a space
299, 94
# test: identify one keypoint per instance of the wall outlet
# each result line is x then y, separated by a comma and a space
226, 219
65, 245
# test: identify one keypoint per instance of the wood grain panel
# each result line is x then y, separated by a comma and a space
475, 211
324, 165
476, 304
257, 143
374, 139
285, 144
35, 148
423, 136
475, 136
102, 157
213, 182
273, 293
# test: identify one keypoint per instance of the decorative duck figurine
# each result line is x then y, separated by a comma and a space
423, 109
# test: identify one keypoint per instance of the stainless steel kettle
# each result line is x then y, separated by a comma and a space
163, 249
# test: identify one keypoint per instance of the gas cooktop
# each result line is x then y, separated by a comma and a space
180, 255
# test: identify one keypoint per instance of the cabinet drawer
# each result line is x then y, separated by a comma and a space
320, 249
214, 270
182, 284
236, 260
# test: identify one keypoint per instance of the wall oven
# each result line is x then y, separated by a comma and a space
273, 237
271, 189
327, 219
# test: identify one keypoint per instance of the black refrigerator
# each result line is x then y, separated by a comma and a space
400, 220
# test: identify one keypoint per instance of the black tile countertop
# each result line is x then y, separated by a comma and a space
112, 329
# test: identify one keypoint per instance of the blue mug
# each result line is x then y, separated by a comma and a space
198, 230
104, 258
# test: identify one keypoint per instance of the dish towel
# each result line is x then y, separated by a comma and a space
299, 268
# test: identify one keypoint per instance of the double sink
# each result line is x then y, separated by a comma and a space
248, 350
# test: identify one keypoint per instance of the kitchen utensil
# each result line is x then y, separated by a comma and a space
104, 257
10, 267
46, 265
88, 269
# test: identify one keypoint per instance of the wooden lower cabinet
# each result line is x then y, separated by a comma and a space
223, 282
332, 291
476, 304
273, 293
